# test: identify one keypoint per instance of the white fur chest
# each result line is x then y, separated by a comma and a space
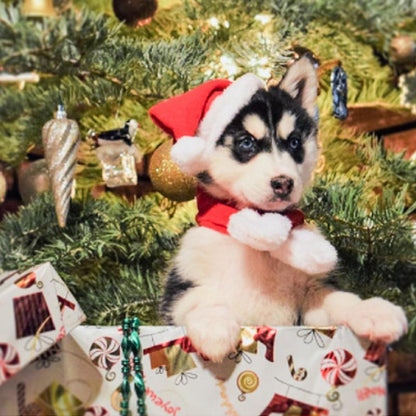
258, 288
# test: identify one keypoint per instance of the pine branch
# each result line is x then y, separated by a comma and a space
373, 240
119, 249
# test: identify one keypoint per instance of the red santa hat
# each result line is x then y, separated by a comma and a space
197, 118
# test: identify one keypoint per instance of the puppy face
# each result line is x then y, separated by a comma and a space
266, 154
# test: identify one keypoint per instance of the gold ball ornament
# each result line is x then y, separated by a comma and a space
402, 49
135, 13
167, 178
247, 382
36, 8
3, 187
33, 179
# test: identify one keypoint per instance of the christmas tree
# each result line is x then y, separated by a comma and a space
113, 252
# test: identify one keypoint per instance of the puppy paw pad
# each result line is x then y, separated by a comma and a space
213, 334
378, 320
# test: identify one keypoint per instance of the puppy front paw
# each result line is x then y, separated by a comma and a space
308, 251
320, 257
378, 320
262, 232
213, 332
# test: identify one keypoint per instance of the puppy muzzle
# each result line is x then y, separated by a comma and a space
282, 186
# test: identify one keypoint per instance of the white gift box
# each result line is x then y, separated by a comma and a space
283, 370
37, 310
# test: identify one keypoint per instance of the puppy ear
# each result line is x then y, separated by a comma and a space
301, 83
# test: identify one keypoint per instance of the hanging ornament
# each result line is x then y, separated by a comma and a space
33, 179
3, 187
167, 178
119, 165
61, 141
38, 8
8, 174
124, 134
68, 51
339, 92
135, 12
118, 155
407, 85
402, 49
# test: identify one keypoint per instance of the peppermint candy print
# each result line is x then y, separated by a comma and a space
9, 362
338, 367
96, 411
374, 412
105, 352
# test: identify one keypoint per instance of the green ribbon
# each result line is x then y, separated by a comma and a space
131, 345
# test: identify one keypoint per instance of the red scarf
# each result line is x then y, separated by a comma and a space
215, 214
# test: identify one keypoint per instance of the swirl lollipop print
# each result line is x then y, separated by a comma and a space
104, 353
247, 382
338, 368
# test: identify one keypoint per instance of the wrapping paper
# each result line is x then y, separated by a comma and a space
37, 310
283, 371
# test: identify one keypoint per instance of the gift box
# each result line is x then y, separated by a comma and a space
36, 310
283, 370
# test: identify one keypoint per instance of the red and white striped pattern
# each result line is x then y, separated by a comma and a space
338, 367
105, 352
9, 362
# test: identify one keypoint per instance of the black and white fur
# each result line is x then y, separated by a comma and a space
264, 272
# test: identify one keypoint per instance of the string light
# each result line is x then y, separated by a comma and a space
263, 18
264, 73
229, 65
214, 22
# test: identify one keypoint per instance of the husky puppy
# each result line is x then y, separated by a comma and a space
262, 271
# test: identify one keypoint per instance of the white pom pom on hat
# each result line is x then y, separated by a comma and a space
197, 118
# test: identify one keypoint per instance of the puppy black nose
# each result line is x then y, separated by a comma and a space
282, 185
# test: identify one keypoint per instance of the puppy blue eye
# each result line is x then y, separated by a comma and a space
294, 142
247, 144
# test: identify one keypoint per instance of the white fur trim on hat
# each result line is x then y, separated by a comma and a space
226, 106
188, 154
191, 153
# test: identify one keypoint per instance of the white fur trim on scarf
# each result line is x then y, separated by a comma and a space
262, 232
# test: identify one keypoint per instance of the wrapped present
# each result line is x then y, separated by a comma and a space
37, 310
283, 371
